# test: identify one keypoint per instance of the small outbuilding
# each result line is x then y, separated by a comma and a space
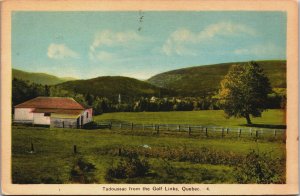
63, 112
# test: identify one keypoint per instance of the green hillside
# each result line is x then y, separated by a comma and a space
39, 78
111, 86
202, 80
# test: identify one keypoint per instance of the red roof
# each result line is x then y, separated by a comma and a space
57, 111
51, 102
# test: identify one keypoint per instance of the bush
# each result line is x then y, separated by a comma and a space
260, 169
202, 155
129, 167
83, 172
90, 125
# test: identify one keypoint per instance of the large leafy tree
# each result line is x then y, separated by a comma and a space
244, 91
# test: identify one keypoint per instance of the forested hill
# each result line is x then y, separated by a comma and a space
112, 86
38, 78
203, 80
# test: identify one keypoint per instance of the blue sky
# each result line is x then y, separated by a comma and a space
142, 44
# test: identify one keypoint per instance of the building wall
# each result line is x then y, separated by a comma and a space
87, 116
41, 119
23, 115
63, 122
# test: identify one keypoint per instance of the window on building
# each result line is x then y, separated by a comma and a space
47, 114
87, 115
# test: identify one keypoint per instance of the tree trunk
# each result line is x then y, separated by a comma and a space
248, 119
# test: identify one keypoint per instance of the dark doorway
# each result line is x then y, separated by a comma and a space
77, 122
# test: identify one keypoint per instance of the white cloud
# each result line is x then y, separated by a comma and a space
179, 40
102, 56
60, 51
261, 50
110, 39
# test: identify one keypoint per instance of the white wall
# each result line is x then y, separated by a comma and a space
63, 122
90, 116
23, 114
40, 119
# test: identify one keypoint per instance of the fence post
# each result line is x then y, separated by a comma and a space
190, 130
121, 126
222, 132
227, 130
157, 129
256, 133
206, 132
275, 133
32, 148
178, 127
120, 151
131, 126
75, 149
154, 127
110, 125
240, 132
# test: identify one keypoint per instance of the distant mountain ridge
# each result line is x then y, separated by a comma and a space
39, 78
112, 86
186, 82
205, 79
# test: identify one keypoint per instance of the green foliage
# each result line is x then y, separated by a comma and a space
82, 172
23, 91
205, 80
57, 91
130, 167
202, 155
38, 78
244, 91
90, 125
111, 86
260, 168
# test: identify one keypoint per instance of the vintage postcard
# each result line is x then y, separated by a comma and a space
149, 97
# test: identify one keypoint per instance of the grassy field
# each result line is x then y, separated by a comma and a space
270, 118
170, 159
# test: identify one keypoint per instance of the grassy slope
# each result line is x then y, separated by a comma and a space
199, 80
111, 86
205, 117
39, 78
54, 156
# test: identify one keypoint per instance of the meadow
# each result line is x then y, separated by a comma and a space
46, 155
270, 118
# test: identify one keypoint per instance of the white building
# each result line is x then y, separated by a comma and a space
54, 111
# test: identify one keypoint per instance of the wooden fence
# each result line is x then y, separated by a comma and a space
194, 130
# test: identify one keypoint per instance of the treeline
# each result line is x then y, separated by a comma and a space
25, 90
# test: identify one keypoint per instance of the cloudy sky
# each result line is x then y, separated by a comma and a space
141, 44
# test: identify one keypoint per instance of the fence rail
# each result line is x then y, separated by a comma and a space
193, 130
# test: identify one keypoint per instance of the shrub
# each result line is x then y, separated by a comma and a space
83, 172
129, 167
90, 125
202, 155
260, 168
